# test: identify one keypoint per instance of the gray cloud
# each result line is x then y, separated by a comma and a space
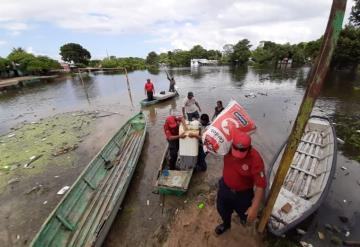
180, 24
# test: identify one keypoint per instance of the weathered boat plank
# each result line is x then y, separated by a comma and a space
86, 212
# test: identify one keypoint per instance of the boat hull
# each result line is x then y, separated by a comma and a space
309, 178
181, 178
85, 214
159, 98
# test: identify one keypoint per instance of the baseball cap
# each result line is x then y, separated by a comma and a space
171, 121
240, 144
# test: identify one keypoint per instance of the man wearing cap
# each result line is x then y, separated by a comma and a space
189, 107
149, 90
243, 170
171, 129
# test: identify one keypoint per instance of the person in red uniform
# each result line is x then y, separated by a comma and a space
243, 170
171, 129
149, 90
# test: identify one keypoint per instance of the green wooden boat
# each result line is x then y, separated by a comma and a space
174, 182
85, 214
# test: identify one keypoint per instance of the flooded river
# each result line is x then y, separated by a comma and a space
271, 97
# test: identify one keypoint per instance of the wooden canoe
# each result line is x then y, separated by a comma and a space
85, 214
309, 178
159, 98
176, 182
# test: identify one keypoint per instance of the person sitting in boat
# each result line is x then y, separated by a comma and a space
201, 162
171, 129
149, 90
189, 107
218, 109
172, 82
243, 170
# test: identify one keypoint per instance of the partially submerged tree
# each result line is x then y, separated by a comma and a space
347, 52
241, 52
198, 52
152, 59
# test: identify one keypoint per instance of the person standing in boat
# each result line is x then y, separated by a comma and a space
189, 107
172, 82
218, 109
171, 129
243, 170
201, 162
149, 90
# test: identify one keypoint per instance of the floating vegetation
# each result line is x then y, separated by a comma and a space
33, 146
348, 129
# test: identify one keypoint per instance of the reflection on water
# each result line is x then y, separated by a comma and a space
277, 95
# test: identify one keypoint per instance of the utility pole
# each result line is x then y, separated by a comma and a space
315, 81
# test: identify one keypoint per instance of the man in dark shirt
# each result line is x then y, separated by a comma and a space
243, 170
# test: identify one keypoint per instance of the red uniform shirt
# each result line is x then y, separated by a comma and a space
243, 174
172, 131
149, 87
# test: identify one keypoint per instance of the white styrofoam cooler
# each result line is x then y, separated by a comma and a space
189, 146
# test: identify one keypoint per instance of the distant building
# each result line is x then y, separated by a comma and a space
202, 61
261, 44
67, 67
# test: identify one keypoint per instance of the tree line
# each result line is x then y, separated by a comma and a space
20, 62
346, 55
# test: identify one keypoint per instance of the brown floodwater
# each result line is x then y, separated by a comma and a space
270, 96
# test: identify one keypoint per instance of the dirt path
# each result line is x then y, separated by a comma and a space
194, 226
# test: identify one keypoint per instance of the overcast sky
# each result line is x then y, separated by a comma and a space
136, 27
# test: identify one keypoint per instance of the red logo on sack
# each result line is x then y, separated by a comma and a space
211, 144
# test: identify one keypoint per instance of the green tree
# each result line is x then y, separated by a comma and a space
298, 54
179, 58
72, 52
20, 57
152, 59
41, 64
109, 63
355, 14
4, 63
262, 56
198, 52
214, 55
312, 49
241, 53
130, 63
164, 58
347, 51
226, 52
94, 63
29, 63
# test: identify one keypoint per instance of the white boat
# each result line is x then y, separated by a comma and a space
309, 178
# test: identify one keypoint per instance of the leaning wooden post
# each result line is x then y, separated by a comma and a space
315, 81
128, 86
82, 81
